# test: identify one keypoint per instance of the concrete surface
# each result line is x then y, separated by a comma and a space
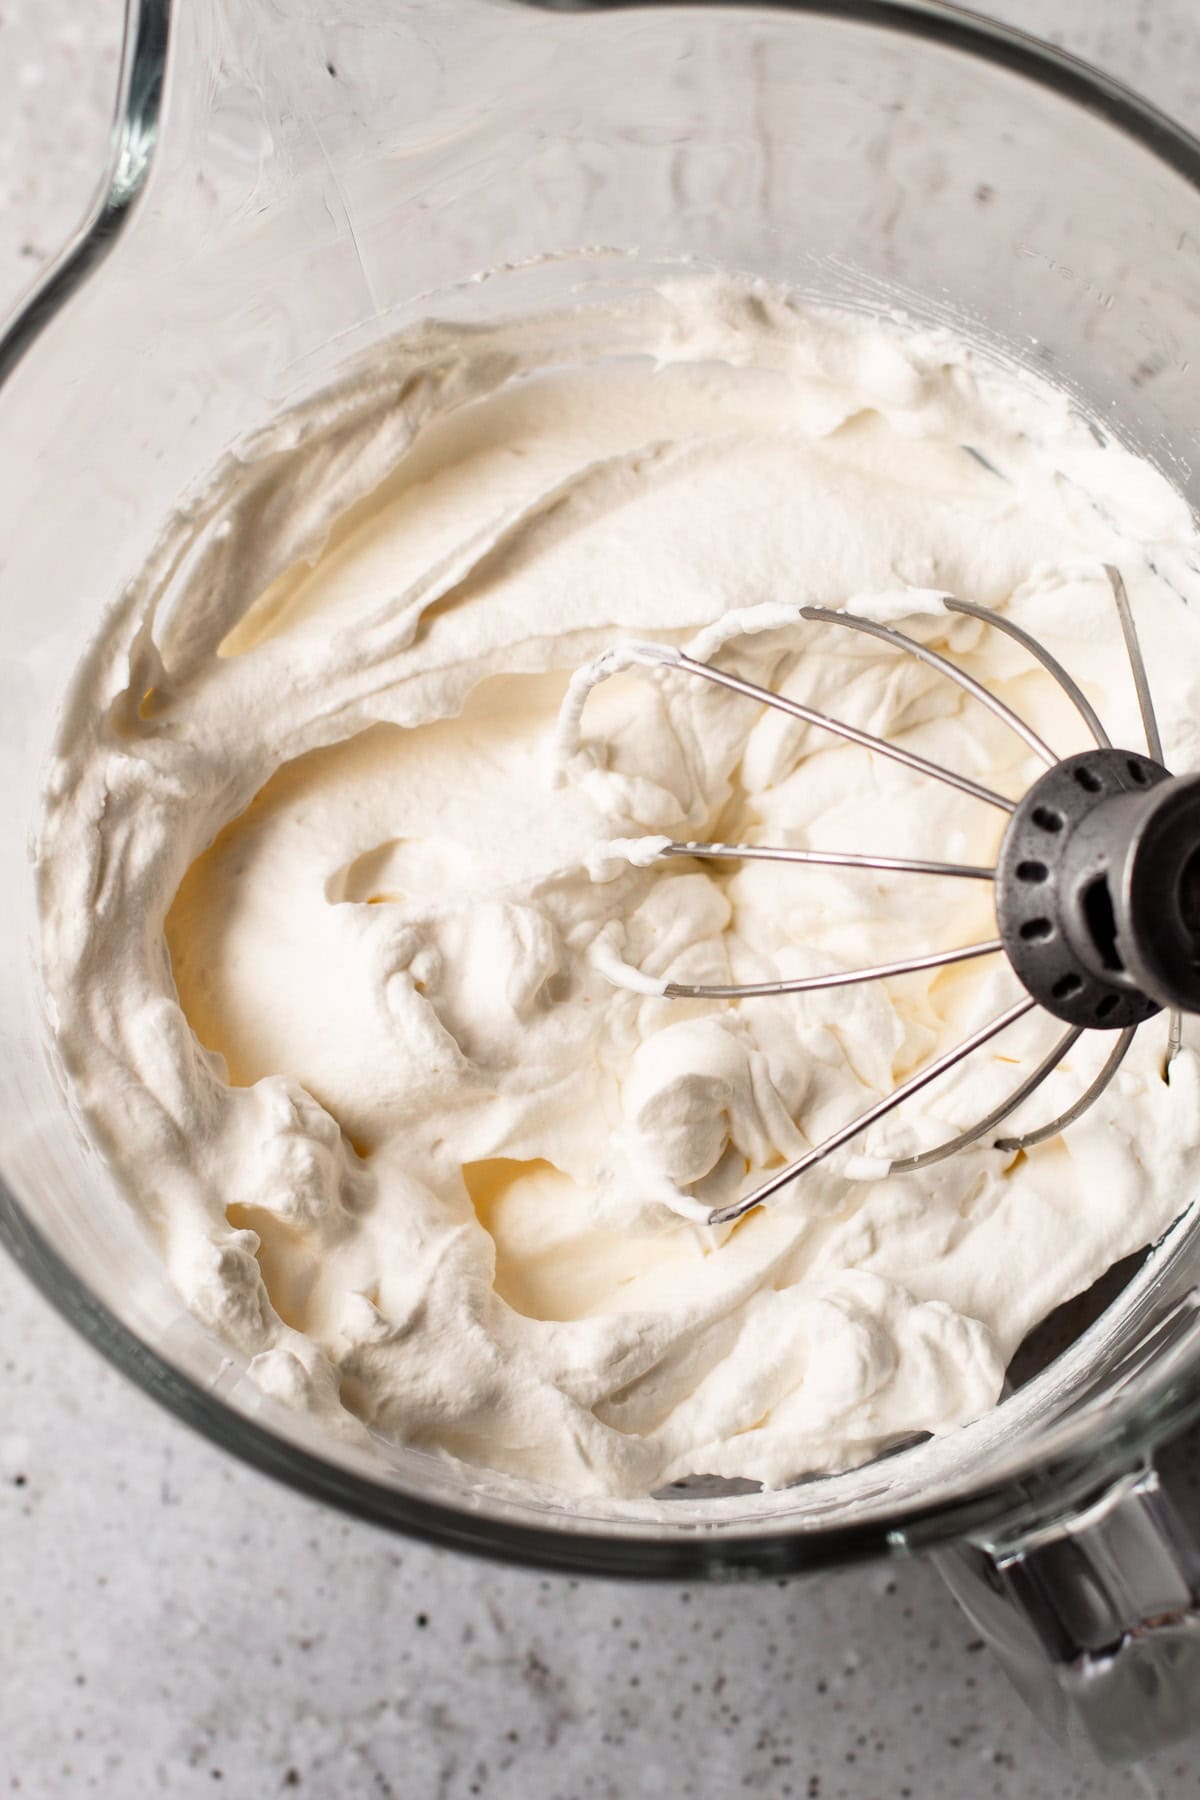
173, 1624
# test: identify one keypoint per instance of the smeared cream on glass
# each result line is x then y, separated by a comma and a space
327, 925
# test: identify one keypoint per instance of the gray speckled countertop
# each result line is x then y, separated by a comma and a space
174, 1624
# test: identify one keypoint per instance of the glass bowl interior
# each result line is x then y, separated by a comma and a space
346, 178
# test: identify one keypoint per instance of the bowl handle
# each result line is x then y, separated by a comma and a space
1096, 1618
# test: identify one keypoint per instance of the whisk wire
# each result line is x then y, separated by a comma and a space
836, 978
1091, 1093
797, 710
911, 1165
1174, 1035
725, 1215
1137, 662
1039, 652
1154, 743
838, 859
888, 634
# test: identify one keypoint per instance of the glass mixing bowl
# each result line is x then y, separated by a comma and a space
288, 185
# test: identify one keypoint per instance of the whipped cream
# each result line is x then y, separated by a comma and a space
337, 864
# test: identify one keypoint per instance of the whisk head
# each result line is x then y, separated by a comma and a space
1096, 884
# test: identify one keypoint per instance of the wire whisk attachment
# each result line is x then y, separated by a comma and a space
1096, 883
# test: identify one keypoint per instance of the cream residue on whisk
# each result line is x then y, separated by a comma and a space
326, 947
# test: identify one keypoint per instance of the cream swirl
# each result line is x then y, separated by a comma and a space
326, 948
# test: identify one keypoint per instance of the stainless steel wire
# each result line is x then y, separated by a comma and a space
909, 1165
797, 710
836, 978
1154, 743
1174, 1036
888, 634
1136, 662
838, 859
1039, 652
1091, 1093
724, 1215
